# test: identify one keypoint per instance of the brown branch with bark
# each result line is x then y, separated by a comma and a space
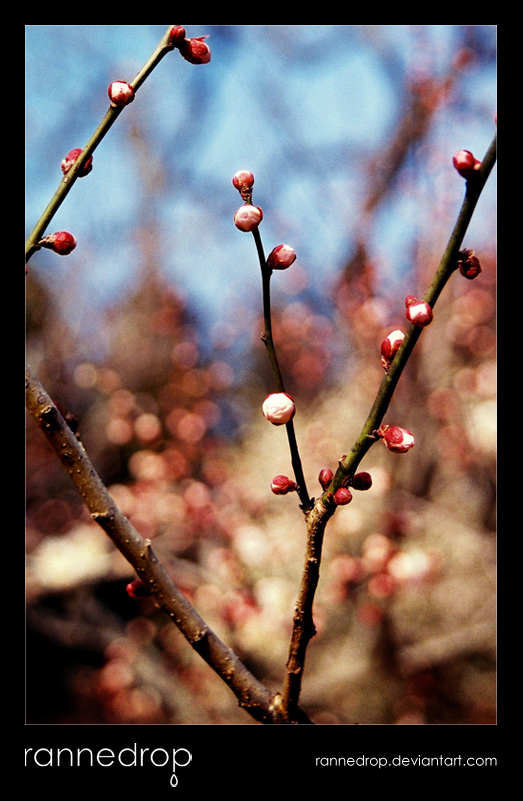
253, 696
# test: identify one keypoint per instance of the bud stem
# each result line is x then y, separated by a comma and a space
306, 501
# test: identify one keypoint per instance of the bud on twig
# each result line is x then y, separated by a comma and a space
137, 589
70, 159
342, 496
418, 311
279, 408
243, 181
120, 93
176, 35
361, 481
248, 217
281, 485
465, 163
281, 257
195, 51
397, 439
325, 477
389, 347
468, 264
61, 242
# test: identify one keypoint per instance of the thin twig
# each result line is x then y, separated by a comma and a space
306, 501
447, 266
303, 625
108, 120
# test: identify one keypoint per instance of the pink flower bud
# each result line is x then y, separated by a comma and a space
120, 93
397, 440
418, 311
70, 159
361, 481
281, 485
342, 496
195, 50
279, 408
389, 347
468, 264
61, 242
325, 477
176, 35
137, 589
248, 217
243, 180
465, 163
281, 257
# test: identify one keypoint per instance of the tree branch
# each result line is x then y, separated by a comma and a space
447, 266
112, 113
324, 508
306, 501
254, 697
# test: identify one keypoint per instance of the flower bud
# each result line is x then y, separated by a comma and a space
279, 408
468, 264
389, 347
361, 481
397, 439
465, 163
195, 51
120, 93
281, 257
342, 496
70, 159
418, 311
176, 35
137, 589
61, 242
243, 180
281, 485
325, 477
248, 217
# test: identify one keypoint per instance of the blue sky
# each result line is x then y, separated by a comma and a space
303, 107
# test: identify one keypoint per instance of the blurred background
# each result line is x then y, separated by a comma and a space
149, 335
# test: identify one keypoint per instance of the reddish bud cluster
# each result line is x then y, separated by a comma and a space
418, 311
465, 163
279, 408
397, 439
60, 242
281, 485
468, 264
389, 347
195, 51
248, 217
343, 495
281, 257
70, 159
120, 93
